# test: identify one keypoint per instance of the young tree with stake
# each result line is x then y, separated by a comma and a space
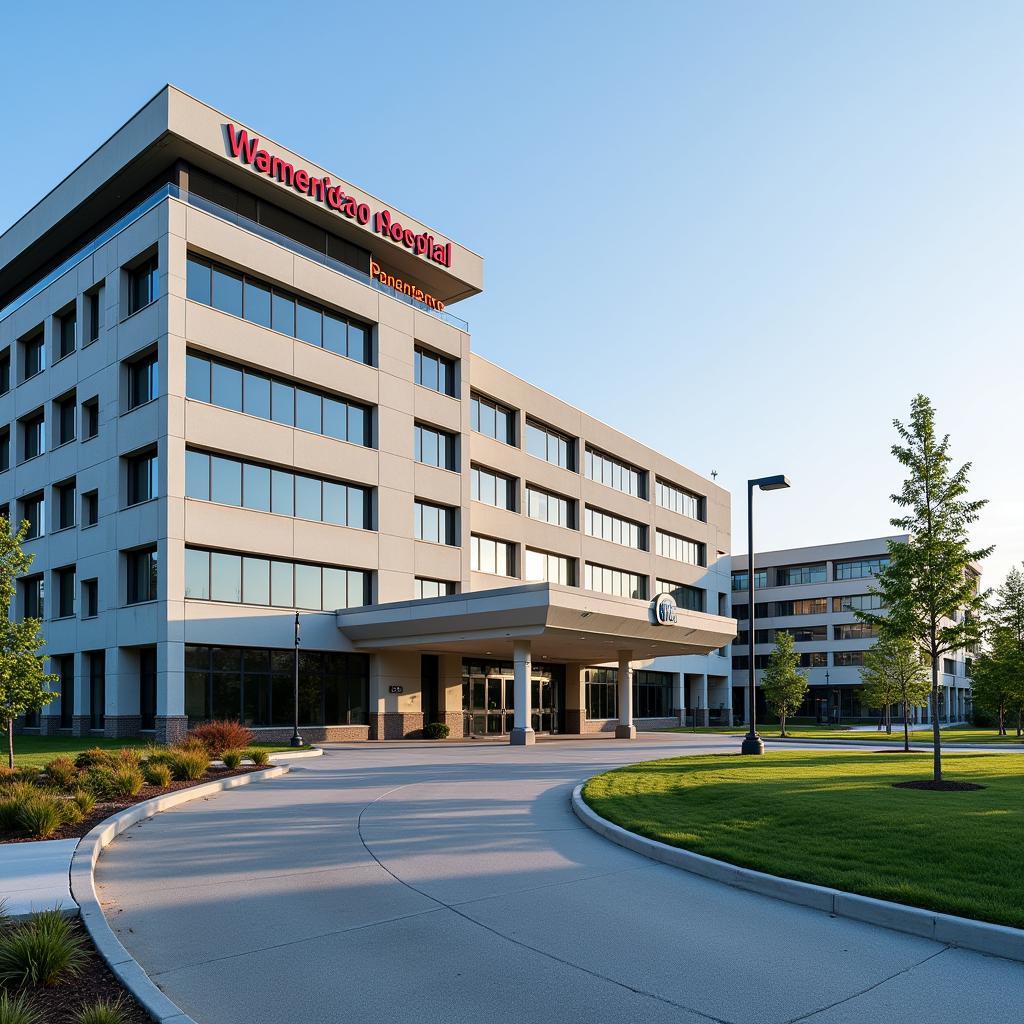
784, 688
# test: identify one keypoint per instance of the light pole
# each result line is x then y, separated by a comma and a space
296, 738
752, 743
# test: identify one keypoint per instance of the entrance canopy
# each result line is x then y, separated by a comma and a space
560, 624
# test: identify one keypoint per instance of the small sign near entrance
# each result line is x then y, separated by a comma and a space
664, 610
396, 689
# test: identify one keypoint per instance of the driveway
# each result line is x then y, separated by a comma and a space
451, 883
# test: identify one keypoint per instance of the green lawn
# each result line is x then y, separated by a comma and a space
35, 751
812, 732
835, 819
954, 734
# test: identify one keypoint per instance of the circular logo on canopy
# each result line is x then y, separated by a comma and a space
664, 610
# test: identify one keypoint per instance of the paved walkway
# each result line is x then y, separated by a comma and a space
34, 876
451, 883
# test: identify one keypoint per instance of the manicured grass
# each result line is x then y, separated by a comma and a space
35, 751
921, 734
955, 734
813, 732
835, 819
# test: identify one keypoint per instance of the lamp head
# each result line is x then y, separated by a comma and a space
771, 483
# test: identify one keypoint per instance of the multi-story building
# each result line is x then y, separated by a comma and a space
231, 391
813, 593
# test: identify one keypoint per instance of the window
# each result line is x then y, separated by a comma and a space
33, 597
855, 631
255, 394
949, 666
65, 498
66, 591
493, 419
33, 435
33, 508
255, 685
741, 580
261, 303
615, 529
861, 569
436, 372
65, 326
143, 284
93, 314
548, 444
142, 476
691, 598
857, 603
652, 694
142, 575
90, 598
90, 418
612, 472
797, 575
677, 500
266, 489
147, 688
64, 667
435, 447
434, 523
5, 371
435, 588
619, 582
90, 508
550, 508
33, 355
492, 488
143, 380
487, 554
97, 661
602, 697
5, 449
64, 417
543, 565
682, 550
848, 659
250, 579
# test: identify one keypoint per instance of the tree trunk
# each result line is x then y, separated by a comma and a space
888, 719
782, 724
1002, 721
936, 737
10, 742
1020, 729
906, 727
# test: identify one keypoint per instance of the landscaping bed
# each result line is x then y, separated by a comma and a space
838, 819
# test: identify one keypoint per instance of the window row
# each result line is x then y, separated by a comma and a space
691, 598
492, 419
279, 310
612, 472
607, 526
435, 588
681, 549
741, 580
548, 567
675, 499
618, 582
492, 488
548, 444
249, 579
435, 371
252, 485
435, 523
810, 606
812, 659
270, 398
860, 569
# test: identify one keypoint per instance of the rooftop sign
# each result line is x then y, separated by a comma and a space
248, 149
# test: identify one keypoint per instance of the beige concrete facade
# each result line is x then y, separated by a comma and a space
53, 261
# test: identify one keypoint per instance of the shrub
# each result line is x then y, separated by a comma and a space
232, 759
99, 781
9, 808
258, 756
157, 773
189, 765
61, 771
155, 753
221, 735
40, 951
41, 815
26, 774
94, 757
70, 812
130, 755
103, 1011
84, 801
126, 780
17, 1009
436, 731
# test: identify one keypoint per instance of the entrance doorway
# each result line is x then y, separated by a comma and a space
488, 698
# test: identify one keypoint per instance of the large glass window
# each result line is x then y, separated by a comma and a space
143, 380
550, 508
33, 508
615, 529
142, 575
552, 568
435, 447
848, 659
64, 413
142, 472
857, 602
860, 569
33, 435
33, 355
492, 488
547, 443
261, 303
67, 500
606, 469
435, 588
492, 418
652, 694
490, 555
143, 285
741, 580
677, 500
618, 582
33, 599
436, 523
855, 631
67, 326
691, 598
67, 591
795, 575
231, 387
681, 549
602, 699
436, 372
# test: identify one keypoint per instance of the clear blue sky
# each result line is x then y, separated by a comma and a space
808, 211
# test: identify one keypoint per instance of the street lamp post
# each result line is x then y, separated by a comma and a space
752, 743
296, 738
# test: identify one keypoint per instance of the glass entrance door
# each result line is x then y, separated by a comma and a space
488, 699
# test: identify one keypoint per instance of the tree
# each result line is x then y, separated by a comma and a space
784, 688
24, 685
929, 587
998, 675
893, 674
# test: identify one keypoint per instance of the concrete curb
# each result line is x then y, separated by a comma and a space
283, 755
83, 888
993, 939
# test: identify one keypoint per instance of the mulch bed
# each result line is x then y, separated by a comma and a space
62, 1003
109, 807
946, 786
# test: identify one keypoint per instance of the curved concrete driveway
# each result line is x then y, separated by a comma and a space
451, 883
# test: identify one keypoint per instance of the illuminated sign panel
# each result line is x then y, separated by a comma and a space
247, 148
405, 287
